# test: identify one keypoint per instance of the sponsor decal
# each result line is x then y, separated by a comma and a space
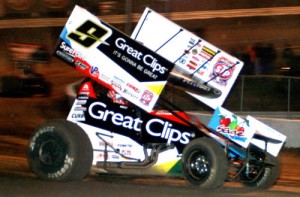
155, 127
85, 89
124, 145
98, 111
80, 64
94, 71
236, 133
80, 102
183, 81
70, 51
133, 87
207, 53
103, 144
104, 77
182, 61
194, 51
192, 42
125, 152
196, 57
65, 56
119, 80
116, 85
78, 116
167, 132
232, 126
102, 156
129, 93
146, 97
223, 71
80, 108
115, 156
147, 59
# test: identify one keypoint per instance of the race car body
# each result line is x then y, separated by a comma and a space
113, 127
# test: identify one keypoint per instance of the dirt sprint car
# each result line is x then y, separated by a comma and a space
112, 127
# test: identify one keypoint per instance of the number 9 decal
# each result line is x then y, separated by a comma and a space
88, 34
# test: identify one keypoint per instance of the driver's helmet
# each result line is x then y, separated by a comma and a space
116, 97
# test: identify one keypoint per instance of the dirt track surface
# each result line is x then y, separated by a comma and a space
17, 180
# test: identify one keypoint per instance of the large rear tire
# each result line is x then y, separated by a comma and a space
205, 163
60, 150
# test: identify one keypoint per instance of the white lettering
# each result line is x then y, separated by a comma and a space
37, 134
121, 44
149, 130
149, 60
155, 127
117, 119
71, 51
99, 116
67, 164
167, 132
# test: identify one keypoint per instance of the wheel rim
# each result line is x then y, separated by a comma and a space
255, 170
52, 153
199, 165
48, 152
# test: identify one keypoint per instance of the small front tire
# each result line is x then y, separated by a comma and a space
262, 173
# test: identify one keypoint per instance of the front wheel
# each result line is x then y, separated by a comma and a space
60, 150
205, 163
263, 172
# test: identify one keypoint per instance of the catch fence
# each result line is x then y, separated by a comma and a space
266, 95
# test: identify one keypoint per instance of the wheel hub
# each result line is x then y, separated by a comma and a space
49, 152
199, 166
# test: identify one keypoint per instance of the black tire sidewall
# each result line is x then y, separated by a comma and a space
269, 176
216, 157
76, 151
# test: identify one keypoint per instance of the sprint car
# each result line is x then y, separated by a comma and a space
112, 126
114, 137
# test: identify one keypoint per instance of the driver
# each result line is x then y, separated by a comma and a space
116, 97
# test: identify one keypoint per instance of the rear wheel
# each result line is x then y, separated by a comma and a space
60, 150
205, 163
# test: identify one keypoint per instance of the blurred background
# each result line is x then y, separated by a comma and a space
264, 34
267, 30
